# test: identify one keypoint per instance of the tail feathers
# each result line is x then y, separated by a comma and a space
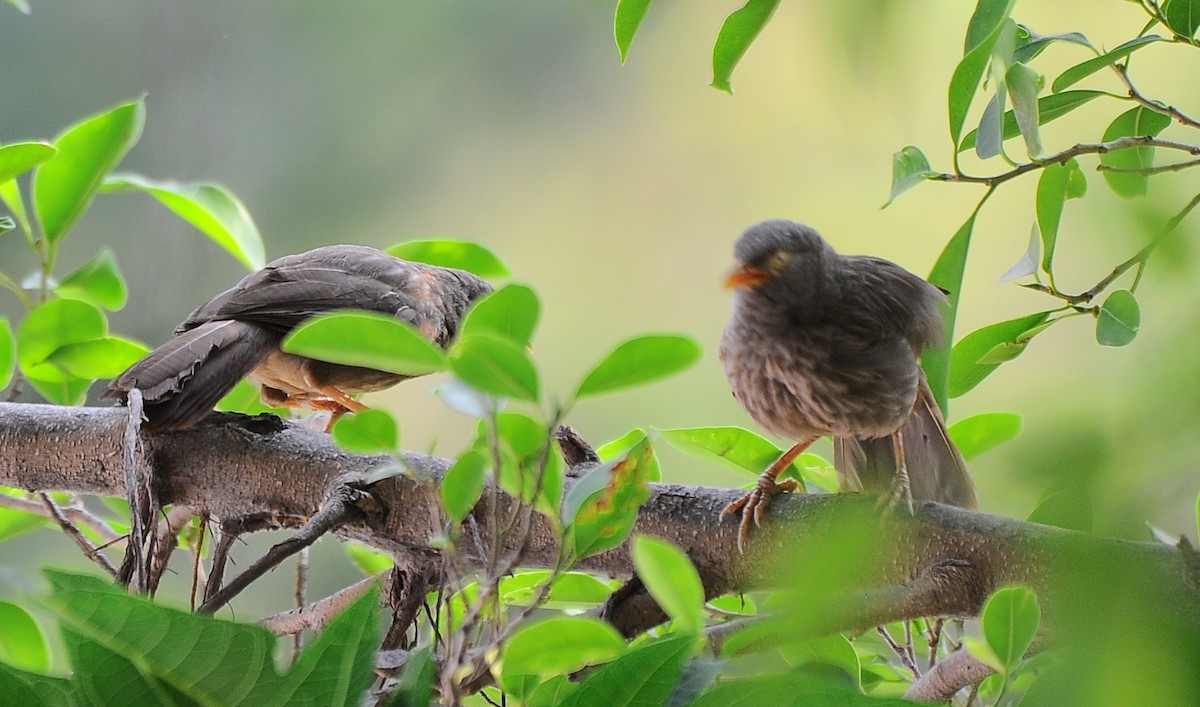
936, 469
184, 378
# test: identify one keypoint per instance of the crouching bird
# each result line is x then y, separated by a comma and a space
826, 344
237, 333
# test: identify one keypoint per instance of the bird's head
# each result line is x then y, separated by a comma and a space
782, 260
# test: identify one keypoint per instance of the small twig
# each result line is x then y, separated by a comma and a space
76, 534
198, 578
74, 512
908, 643
1157, 106
318, 614
166, 543
335, 512
935, 639
301, 591
898, 650
944, 680
225, 540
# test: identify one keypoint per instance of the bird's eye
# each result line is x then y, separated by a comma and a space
778, 261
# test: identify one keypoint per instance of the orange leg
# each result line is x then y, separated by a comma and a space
752, 505
901, 488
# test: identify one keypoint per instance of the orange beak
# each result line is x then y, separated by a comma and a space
746, 276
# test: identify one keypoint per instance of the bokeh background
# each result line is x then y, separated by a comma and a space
617, 192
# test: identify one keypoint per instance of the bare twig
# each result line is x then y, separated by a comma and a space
166, 543
74, 512
953, 673
1158, 169
301, 601
317, 615
1122, 72
89, 550
899, 650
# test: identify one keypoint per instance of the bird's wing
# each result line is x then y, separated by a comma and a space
880, 299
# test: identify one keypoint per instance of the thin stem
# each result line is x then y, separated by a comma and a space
9, 284
1157, 106
1158, 169
75, 534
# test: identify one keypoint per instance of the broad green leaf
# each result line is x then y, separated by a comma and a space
10, 195
646, 675
8, 353
737, 32
245, 398
21, 642
618, 447
1023, 86
1057, 183
1010, 620
630, 14
367, 339
735, 447
30, 689
947, 274
672, 580
65, 184
984, 29
106, 357
525, 445
510, 312
988, 139
463, 485
1119, 319
1183, 16
556, 646
463, 255
14, 523
798, 687
52, 325
1030, 44
335, 668
368, 432
967, 365
20, 157
572, 590
495, 365
977, 434
97, 281
1082, 70
416, 680
64, 390
1050, 108
602, 506
833, 650
211, 208
1064, 509
1027, 264
640, 360
367, 559
1135, 121
909, 168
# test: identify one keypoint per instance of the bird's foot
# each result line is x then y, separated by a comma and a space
752, 505
901, 492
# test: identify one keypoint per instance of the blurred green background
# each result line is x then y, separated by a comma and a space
617, 193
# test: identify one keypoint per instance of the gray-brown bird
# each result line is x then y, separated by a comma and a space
237, 333
826, 344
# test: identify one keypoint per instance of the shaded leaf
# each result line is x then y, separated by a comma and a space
1119, 319
1057, 183
1064, 509
640, 360
630, 14
967, 365
463, 255
97, 281
556, 646
65, 184
416, 681
646, 675
672, 580
20, 157
29, 689
909, 168
495, 365
1010, 620
602, 506
335, 667
1023, 86
1085, 69
21, 642
368, 432
979, 433
105, 357
1030, 43
1050, 108
367, 339
737, 32
947, 274
211, 208
510, 312
1183, 16
982, 32
1136, 121
463, 485
988, 135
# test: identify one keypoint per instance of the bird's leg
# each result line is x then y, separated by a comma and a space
901, 488
752, 505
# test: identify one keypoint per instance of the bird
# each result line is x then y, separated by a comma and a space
237, 333
820, 343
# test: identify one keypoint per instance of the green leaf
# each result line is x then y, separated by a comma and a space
640, 360
463, 255
495, 365
909, 168
97, 281
1010, 620
737, 32
14, 522
621, 445
1082, 70
524, 445
65, 184
834, 650
8, 353
734, 446
52, 325
1030, 44
1135, 121
367, 559
968, 366
463, 485
646, 675
510, 312
335, 668
947, 274
63, 390
1183, 16
367, 432
602, 506
416, 681
106, 357
1023, 86
1119, 319
1049, 108
1027, 264
20, 157
367, 339
984, 29
557, 646
572, 590
29, 689
672, 580
979, 433
630, 14
988, 139
1057, 183
10, 194
21, 642
211, 208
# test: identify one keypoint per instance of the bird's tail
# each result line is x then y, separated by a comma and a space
936, 469
184, 378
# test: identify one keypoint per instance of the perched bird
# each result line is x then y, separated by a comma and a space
237, 333
826, 344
